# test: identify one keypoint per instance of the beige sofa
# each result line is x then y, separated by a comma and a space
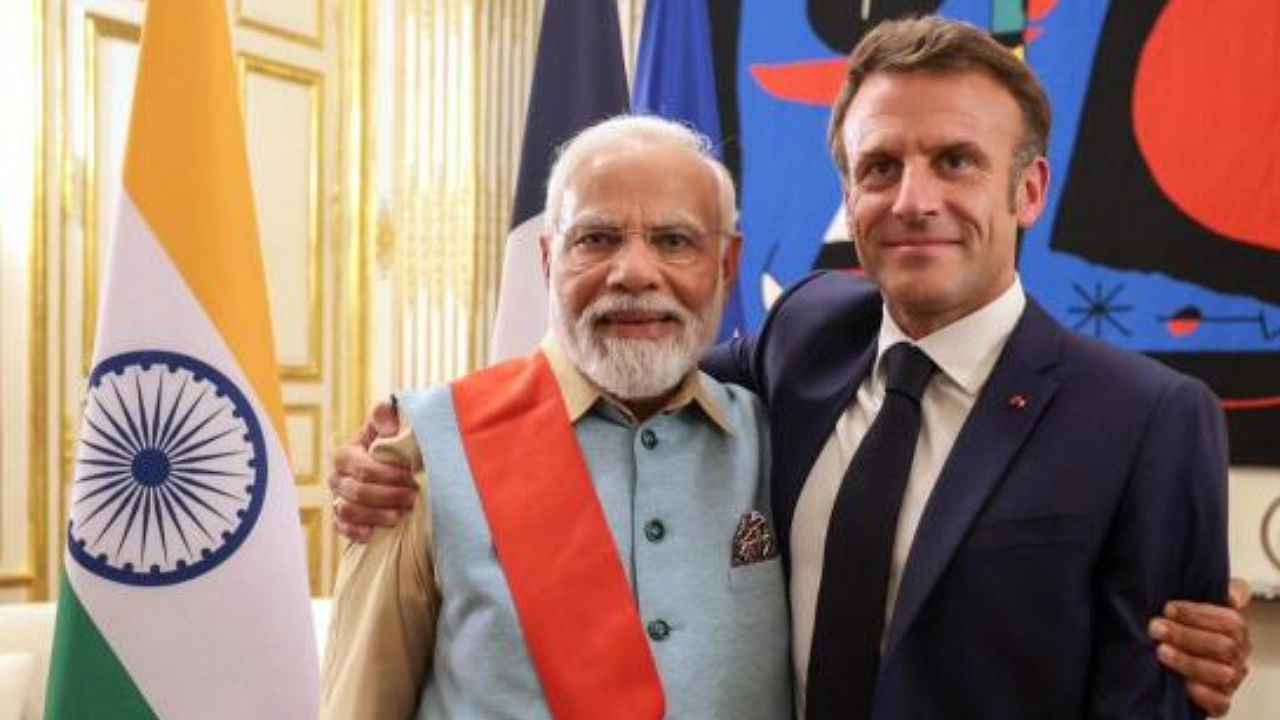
26, 637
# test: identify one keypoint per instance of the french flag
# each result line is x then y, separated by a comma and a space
578, 79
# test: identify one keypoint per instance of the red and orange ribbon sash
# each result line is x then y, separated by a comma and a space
571, 593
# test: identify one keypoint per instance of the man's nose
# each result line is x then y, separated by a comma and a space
634, 267
919, 194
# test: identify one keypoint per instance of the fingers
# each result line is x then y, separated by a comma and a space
1211, 663
1239, 593
1223, 621
351, 531
1203, 644
1206, 644
356, 521
1198, 670
367, 493
374, 496
383, 421
1212, 701
354, 462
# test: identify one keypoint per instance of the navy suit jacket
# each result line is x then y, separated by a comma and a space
1058, 525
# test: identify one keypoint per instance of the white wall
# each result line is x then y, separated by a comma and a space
19, 78
1253, 492
1259, 697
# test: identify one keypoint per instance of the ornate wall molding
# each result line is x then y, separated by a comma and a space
38, 481
1271, 533
255, 68
247, 14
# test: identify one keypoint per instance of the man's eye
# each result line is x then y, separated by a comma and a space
878, 171
595, 240
957, 161
672, 241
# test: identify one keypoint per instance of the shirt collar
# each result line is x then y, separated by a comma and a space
966, 350
580, 394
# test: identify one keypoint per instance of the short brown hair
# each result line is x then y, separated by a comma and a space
934, 44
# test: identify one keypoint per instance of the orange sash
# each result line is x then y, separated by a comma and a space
571, 594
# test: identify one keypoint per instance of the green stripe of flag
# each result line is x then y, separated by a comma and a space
86, 679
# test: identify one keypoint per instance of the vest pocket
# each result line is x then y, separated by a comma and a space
763, 574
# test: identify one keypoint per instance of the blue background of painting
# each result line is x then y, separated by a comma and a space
790, 190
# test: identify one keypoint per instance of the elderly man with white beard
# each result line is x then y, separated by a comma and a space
596, 539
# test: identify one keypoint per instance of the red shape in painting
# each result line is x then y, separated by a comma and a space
1038, 10
1204, 114
1184, 322
812, 82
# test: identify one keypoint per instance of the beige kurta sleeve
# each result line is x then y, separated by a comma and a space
386, 600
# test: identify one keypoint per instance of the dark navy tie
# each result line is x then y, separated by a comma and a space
845, 655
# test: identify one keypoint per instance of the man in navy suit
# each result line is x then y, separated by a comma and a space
1059, 492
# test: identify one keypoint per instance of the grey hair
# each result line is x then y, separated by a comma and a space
637, 132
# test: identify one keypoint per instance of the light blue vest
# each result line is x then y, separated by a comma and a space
673, 490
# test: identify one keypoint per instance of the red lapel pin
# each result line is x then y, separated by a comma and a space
1018, 401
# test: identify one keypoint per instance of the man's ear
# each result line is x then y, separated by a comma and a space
732, 257
544, 248
1032, 192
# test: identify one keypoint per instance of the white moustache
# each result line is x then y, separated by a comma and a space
649, 304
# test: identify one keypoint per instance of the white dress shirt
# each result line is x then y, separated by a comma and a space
965, 353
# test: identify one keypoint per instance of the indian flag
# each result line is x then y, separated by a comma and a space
184, 591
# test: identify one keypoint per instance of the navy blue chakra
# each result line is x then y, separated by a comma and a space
171, 470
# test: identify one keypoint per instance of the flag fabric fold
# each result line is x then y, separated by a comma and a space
675, 74
578, 79
184, 589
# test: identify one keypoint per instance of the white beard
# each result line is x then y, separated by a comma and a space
636, 368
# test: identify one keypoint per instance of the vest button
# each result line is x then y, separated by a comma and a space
649, 439
659, 630
654, 530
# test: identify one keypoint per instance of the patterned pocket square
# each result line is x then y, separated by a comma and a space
753, 540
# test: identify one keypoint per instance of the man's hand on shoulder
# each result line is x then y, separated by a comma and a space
1208, 645
367, 493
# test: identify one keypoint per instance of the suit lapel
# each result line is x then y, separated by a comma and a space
810, 419
820, 345
1008, 407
